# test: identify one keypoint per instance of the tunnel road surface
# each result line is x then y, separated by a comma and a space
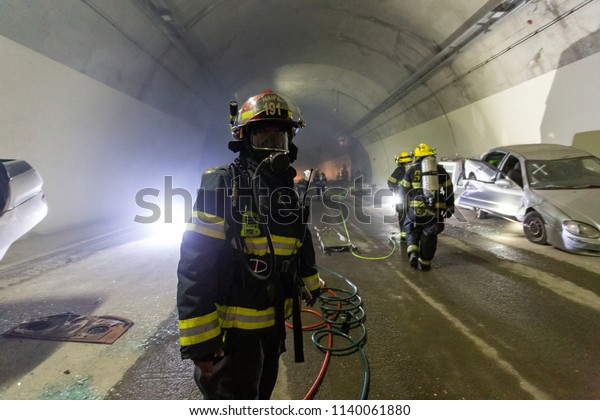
495, 318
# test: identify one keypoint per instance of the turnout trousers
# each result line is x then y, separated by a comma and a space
249, 368
421, 237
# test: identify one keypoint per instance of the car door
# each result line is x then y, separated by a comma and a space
500, 194
484, 169
507, 188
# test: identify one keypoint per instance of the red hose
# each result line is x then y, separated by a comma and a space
319, 379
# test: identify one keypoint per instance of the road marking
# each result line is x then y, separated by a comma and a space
484, 347
552, 282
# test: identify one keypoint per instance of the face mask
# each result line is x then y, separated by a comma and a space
270, 138
278, 162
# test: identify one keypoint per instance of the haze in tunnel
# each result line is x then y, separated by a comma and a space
107, 99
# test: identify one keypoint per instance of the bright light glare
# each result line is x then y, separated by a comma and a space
170, 230
390, 201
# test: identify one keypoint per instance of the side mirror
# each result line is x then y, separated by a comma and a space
504, 183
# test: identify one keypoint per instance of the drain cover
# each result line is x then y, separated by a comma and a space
73, 327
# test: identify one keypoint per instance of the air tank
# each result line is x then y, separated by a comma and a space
429, 179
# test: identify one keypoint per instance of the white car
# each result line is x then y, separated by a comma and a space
22, 201
554, 190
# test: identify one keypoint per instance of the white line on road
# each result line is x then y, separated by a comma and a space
484, 347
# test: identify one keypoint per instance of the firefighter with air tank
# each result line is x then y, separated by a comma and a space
428, 191
403, 162
247, 257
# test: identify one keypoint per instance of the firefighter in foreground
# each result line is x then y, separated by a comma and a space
429, 192
403, 161
246, 256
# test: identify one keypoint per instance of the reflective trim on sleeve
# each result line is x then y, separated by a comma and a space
199, 329
416, 203
312, 282
207, 224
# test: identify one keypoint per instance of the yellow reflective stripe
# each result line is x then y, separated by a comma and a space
412, 248
207, 217
246, 318
312, 282
256, 246
282, 245
247, 114
405, 184
285, 245
207, 224
392, 180
199, 329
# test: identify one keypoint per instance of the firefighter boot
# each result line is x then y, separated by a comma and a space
413, 259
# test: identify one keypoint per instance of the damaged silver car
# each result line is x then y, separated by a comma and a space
553, 190
22, 201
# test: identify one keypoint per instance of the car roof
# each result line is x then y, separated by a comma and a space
544, 151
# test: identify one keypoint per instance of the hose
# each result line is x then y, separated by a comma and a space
340, 312
391, 239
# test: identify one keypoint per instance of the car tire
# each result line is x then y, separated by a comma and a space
535, 228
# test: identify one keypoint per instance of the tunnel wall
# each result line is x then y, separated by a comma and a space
552, 108
94, 146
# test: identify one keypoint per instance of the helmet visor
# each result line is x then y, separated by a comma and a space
270, 137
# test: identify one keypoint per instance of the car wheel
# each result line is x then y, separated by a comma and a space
534, 228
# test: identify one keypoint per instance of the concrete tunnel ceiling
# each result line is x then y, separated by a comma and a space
337, 59
362, 71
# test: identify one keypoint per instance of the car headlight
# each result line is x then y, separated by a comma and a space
581, 229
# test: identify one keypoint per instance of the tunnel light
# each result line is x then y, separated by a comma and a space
165, 15
171, 226
169, 232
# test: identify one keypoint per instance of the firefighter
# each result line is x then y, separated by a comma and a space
403, 162
246, 256
430, 197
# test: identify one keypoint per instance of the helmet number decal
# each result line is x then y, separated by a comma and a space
273, 109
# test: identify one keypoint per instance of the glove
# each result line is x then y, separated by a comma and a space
206, 364
314, 295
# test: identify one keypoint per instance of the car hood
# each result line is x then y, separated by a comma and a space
582, 205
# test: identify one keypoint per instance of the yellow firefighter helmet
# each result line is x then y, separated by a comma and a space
424, 150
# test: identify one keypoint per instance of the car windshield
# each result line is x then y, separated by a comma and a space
564, 173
